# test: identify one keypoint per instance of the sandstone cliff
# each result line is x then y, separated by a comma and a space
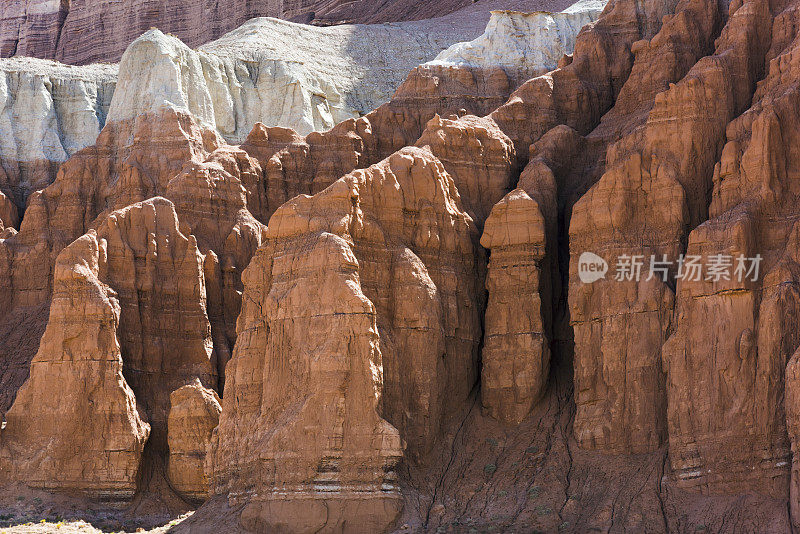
524, 44
85, 31
269, 71
48, 111
386, 326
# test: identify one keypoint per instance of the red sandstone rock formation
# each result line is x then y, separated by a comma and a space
90, 436
670, 131
751, 322
620, 325
395, 233
193, 415
323, 258
8, 213
85, 31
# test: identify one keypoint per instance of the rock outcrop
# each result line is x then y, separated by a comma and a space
279, 73
48, 112
516, 350
87, 31
750, 316
193, 416
9, 215
523, 44
621, 322
274, 72
303, 332
90, 436
383, 263
524, 274
146, 323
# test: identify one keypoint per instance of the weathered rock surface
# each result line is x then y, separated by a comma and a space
48, 112
86, 31
524, 274
9, 217
270, 71
371, 328
524, 44
516, 351
90, 436
193, 416
751, 319
147, 323
385, 251
621, 322
279, 73
162, 153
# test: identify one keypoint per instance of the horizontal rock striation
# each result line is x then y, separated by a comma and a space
86, 31
48, 111
524, 44
390, 324
269, 71
342, 264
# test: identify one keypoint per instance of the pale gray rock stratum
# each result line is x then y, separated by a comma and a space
48, 111
309, 78
268, 70
524, 44
276, 72
85, 31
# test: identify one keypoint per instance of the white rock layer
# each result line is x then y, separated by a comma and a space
268, 70
524, 44
48, 111
280, 73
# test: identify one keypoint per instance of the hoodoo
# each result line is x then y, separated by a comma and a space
401, 267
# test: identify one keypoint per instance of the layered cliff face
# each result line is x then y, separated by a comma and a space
48, 112
441, 315
269, 71
523, 44
281, 73
59, 31
86, 31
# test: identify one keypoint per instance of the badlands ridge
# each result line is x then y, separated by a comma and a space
227, 284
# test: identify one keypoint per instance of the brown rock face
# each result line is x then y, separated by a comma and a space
90, 437
149, 323
516, 350
376, 259
478, 156
356, 334
522, 319
160, 154
157, 273
320, 404
651, 192
8, 213
306, 165
193, 415
751, 320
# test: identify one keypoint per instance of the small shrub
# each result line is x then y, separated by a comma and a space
489, 469
543, 510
